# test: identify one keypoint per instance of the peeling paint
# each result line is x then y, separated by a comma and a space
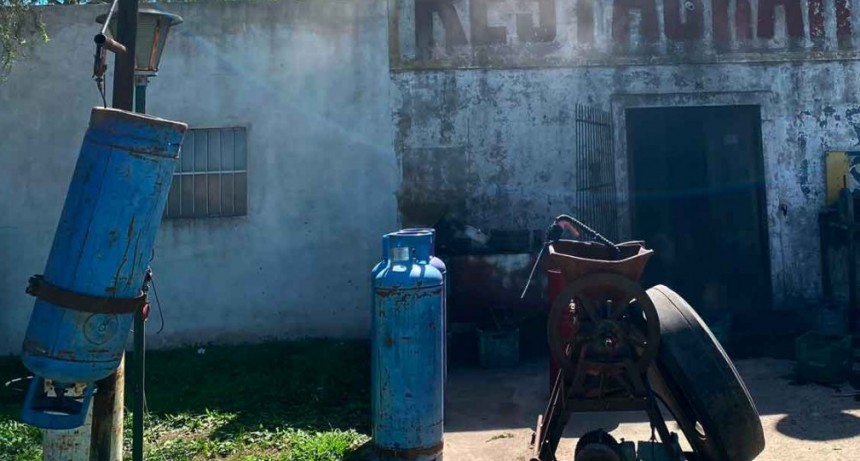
803, 177
853, 116
520, 157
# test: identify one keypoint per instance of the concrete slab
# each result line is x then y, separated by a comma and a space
492, 413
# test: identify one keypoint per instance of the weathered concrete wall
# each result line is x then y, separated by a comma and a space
310, 81
511, 120
506, 147
478, 125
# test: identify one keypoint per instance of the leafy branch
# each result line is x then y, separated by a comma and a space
20, 25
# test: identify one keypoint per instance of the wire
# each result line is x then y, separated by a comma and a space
532, 274
155, 292
109, 16
14, 383
101, 86
158, 303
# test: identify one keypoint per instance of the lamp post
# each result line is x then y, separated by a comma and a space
152, 28
149, 39
137, 38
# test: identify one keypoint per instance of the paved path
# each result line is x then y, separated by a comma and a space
491, 415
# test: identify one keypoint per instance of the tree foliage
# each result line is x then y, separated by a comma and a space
20, 25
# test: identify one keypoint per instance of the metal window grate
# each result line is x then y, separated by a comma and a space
595, 163
211, 178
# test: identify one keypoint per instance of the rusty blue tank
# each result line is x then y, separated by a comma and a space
382, 262
91, 286
440, 266
379, 266
407, 353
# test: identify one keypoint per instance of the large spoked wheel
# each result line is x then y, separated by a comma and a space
700, 386
613, 315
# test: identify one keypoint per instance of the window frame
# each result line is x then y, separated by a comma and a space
233, 165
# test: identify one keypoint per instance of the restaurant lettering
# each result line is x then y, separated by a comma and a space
632, 21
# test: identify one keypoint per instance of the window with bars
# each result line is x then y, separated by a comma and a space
211, 178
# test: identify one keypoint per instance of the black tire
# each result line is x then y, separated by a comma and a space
700, 386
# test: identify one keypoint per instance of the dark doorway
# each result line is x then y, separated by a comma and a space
698, 198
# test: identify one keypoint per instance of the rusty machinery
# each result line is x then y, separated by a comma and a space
622, 348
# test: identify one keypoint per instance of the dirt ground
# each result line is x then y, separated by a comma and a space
492, 413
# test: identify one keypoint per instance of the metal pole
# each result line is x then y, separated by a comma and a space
139, 375
106, 442
68, 445
140, 83
139, 364
123, 77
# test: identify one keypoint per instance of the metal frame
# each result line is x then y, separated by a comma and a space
571, 392
596, 203
181, 176
106, 436
566, 399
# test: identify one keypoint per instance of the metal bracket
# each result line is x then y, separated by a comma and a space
41, 289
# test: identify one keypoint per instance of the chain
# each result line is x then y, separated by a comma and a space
597, 235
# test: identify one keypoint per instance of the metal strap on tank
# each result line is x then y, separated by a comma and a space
43, 290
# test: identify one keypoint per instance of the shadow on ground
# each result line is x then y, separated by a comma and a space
498, 400
828, 427
804, 411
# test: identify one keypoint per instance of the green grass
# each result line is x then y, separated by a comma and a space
301, 401
18, 441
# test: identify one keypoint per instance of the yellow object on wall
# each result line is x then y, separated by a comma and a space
842, 169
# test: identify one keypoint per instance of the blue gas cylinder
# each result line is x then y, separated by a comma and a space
102, 247
407, 353
382, 262
440, 266
379, 266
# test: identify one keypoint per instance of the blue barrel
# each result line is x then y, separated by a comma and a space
102, 247
407, 353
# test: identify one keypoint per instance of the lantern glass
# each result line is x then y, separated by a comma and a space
152, 28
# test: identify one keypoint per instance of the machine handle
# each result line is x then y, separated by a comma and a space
554, 233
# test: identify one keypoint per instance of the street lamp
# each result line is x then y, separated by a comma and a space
150, 38
152, 28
